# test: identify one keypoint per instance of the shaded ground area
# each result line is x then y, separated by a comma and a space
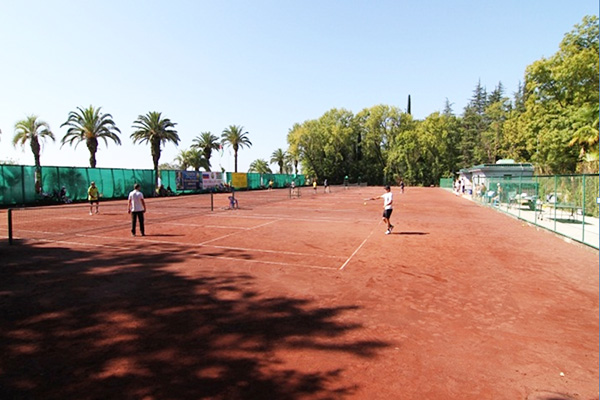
79, 324
460, 302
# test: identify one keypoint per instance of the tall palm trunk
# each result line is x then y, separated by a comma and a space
155, 158
235, 155
92, 145
35, 148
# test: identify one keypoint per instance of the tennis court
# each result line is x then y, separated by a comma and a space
295, 298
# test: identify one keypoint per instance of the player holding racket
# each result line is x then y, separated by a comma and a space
93, 196
388, 201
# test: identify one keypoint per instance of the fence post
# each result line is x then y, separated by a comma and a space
555, 198
10, 232
23, 184
583, 209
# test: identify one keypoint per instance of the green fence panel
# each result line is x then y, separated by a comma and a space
168, 179
564, 204
17, 184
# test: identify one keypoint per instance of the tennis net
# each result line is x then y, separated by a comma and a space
60, 221
57, 222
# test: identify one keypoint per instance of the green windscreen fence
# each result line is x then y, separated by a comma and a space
18, 183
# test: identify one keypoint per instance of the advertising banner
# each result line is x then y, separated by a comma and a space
211, 179
189, 180
239, 180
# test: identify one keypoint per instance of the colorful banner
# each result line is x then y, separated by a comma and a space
188, 180
239, 180
211, 179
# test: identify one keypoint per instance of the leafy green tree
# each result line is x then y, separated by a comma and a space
168, 166
306, 141
382, 128
562, 100
279, 157
234, 137
157, 131
496, 114
325, 146
474, 123
33, 130
260, 166
206, 142
88, 125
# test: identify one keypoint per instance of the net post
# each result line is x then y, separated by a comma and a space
211, 202
10, 232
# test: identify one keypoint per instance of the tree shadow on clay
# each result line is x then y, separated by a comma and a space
78, 324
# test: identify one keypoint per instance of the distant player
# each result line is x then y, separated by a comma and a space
93, 196
233, 203
388, 201
293, 188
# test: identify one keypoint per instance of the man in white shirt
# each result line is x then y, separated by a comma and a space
388, 200
136, 206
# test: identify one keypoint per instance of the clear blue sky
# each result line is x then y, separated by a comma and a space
261, 64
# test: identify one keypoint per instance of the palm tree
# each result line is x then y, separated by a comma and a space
260, 166
234, 137
192, 158
291, 161
197, 160
206, 142
88, 126
279, 157
157, 131
33, 130
182, 160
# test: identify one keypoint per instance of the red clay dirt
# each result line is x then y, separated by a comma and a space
299, 299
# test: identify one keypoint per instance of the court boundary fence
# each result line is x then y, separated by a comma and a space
22, 185
564, 204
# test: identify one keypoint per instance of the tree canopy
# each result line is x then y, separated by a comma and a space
551, 121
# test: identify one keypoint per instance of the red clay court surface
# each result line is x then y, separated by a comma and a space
299, 299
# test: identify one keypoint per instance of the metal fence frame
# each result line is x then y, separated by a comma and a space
563, 204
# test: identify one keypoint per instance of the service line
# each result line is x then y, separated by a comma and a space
359, 247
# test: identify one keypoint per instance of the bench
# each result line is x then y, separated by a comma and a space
564, 208
524, 200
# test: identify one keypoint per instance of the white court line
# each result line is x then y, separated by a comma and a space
266, 262
359, 247
287, 218
224, 247
204, 226
234, 233
292, 253
77, 244
146, 239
